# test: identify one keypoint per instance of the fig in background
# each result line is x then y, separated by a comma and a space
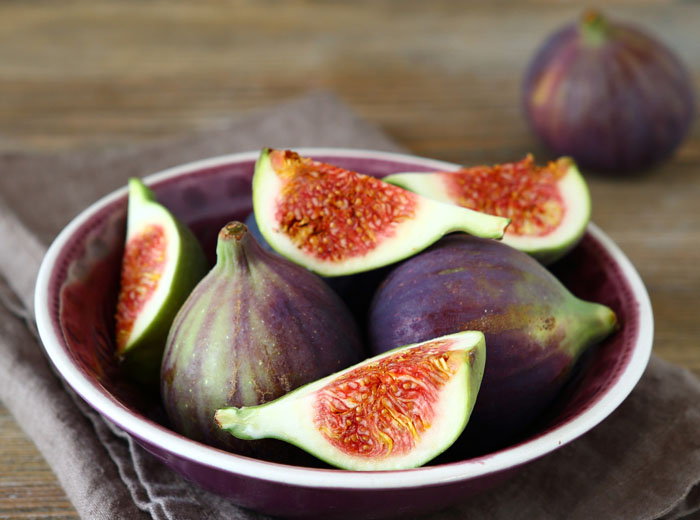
256, 327
609, 95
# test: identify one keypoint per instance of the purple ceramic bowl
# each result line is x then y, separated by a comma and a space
75, 300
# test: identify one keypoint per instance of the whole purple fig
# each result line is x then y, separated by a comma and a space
256, 327
609, 95
535, 329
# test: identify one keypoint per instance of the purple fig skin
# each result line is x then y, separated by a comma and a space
256, 327
609, 95
535, 329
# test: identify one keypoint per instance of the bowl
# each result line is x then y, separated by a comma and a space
75, 300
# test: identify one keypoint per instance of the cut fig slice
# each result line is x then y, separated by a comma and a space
337, 222
549, 206
397, 410
162, 263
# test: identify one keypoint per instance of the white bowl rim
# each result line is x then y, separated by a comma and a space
167, 440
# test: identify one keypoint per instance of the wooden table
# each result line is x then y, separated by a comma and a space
442, 78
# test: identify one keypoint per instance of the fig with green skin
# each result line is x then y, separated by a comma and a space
535, 328
549, 206
256, 327
337, 222
161, 264
397, 410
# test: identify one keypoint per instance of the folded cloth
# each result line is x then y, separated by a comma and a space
643, 462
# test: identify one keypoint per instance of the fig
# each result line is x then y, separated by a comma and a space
161, 264
256, 327
535, 329
337, 222
608, 94
549, 206
397, 410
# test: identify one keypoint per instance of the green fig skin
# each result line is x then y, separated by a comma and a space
535, 329
255, 328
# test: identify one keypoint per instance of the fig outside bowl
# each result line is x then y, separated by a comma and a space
75, 300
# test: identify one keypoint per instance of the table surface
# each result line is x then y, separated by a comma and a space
442, 78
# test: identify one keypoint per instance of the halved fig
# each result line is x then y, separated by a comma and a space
549, 206
397, 410
336, 222
162, 263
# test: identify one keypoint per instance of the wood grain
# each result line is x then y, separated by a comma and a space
442, 78
28, 488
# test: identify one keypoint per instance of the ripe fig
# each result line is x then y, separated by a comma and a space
549, 206
535, 329
609, 95
338, 222
394, 411
161, 264
256, 327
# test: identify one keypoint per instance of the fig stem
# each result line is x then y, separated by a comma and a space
230, 248
233, 231
594, 28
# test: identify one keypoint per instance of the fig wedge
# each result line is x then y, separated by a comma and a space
550, 205
397, 410
162, 263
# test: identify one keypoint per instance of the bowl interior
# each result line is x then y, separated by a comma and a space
84, 283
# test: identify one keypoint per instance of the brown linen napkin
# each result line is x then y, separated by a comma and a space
643, 462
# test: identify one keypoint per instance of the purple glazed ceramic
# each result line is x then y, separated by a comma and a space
75, 300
